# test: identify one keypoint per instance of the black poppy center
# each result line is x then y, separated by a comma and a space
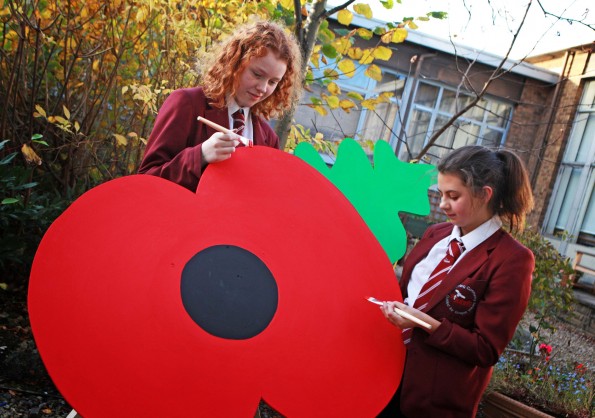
229, 292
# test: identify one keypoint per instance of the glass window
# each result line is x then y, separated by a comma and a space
499, 114
419, 125
427, 95
572, 207
451, 104
379, 123
491, 138
408, 129
486, 123
392, 83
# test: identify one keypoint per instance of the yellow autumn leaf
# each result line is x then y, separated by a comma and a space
363, 9
369, 104
77, 126
66, 112
386, 96
412, 25
40, 110
95, 65
347, 67
333, 101
30, 155
321, 110
387, 37
333, 88
342, 45
347, 105
122, 140
365, 33
367, 57
355, 95
374, 72
382, 53
11, 35
345, 17
61, 120
355, 53
332, 74
140, 14
287, 4
399, 35
315, 59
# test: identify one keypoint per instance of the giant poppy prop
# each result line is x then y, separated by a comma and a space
146, 299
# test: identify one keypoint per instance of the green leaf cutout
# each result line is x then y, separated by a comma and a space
380, 191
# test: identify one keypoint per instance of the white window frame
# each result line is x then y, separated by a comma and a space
585, 193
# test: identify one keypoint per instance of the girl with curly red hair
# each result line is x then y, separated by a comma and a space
256, 70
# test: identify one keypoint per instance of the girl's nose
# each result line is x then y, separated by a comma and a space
262, 86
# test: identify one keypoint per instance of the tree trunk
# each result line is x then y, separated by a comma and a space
309, 32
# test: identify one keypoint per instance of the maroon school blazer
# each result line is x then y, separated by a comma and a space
479, 304
174, 147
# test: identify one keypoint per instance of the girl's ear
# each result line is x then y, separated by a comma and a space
488, 192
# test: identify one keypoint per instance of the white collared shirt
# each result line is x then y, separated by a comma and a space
233, 107
422, 271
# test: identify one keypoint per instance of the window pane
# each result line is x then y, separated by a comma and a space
567, 199
380, 123
491, 138
418, 128
391, 83
426, 95
451, 104
589, 220
587, 139
467, 133
443, 144
477, 111
499, 114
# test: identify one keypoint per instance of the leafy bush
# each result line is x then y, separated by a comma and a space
87, 77
26, 211
551, 297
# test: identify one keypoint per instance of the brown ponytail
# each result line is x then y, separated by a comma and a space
501, 170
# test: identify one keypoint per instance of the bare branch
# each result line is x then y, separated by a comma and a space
338, 8
567, 19
497, 73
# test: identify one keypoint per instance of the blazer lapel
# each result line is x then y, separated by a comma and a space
257, 132
219, 116
469, 264
418, 253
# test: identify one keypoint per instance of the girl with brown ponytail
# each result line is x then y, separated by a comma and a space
474, 297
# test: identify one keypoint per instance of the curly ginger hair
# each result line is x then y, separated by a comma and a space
233, 55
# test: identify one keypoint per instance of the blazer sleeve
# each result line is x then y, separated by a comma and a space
168, 153
499, 310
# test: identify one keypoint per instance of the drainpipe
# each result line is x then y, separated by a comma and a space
551, 116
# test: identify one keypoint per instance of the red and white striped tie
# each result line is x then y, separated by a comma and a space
239, 122
455, 249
